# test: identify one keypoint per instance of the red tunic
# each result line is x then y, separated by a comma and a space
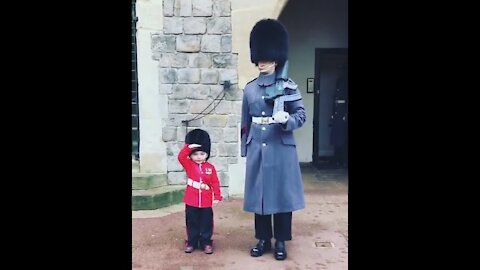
203, 173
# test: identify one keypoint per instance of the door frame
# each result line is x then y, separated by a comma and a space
135, 110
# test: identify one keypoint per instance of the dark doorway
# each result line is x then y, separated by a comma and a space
330, 121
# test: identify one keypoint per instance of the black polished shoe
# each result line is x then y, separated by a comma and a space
261, 247
280, 252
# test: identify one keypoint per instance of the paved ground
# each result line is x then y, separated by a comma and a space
158, 235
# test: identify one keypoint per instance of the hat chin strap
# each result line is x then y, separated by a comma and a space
268, 67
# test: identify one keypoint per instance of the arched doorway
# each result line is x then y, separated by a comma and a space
318, 36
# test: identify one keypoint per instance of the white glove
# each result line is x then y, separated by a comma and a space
281, 117
194, 145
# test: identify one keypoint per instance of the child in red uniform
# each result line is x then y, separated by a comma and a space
202, 191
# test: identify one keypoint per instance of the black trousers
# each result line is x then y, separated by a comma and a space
341, 157
282, 226
199, 223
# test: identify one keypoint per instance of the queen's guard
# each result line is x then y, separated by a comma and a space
272, 108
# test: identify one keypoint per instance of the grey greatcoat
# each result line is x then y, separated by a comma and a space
273, 182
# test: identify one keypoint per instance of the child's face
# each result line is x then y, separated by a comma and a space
199, 156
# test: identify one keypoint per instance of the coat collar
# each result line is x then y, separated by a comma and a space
266, 80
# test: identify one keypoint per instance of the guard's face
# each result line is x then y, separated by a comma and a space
199, 156
266, 67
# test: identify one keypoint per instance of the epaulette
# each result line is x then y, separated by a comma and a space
250, 81
290, 84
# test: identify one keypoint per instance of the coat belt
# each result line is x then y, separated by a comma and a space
263, 120
196, 184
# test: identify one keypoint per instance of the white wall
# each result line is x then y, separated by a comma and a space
152, 106
312, 24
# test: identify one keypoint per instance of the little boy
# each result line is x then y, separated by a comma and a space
202, 190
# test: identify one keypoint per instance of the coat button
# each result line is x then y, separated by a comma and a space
263, 113
263, 97
263, 128
264, 144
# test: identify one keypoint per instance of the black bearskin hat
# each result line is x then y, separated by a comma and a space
269, 41
199, 136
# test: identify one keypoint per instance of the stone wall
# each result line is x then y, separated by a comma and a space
194, 55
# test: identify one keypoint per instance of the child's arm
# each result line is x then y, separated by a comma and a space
183, 156
217, 195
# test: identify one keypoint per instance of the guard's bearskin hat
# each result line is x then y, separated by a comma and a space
199, 136
269, 41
